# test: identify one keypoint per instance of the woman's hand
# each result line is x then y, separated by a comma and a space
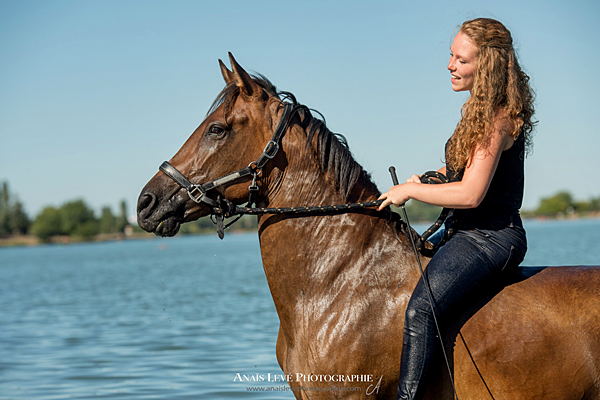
396, 195
414, 178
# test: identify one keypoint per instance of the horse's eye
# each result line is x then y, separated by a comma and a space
216, 130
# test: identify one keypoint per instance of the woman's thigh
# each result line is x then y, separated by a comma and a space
469, 269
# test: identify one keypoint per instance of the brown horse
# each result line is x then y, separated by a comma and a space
341, 282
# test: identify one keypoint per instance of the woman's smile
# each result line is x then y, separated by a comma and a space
463, 63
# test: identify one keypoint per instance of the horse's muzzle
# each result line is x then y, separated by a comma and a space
160, 216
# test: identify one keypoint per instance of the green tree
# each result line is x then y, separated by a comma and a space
13, 219
121, 222
48, 223
72, 218
87, 229
108, 221
78, 219
560, 203
588, 206
19, 222
4, 210
594, 204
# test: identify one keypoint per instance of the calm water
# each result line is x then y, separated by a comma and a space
170, 318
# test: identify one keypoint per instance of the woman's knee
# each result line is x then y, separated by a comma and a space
418, 314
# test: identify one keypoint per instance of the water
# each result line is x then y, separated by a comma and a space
148, 319
173, 318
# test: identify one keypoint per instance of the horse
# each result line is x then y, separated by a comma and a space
341, 281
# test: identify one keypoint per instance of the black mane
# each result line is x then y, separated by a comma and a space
332, 148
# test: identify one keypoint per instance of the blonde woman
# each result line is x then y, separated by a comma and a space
485, 168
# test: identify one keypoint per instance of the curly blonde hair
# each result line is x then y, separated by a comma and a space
499, 83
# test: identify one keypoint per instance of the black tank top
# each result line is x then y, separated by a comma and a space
505, 194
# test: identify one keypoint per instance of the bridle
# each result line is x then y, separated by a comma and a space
222, 208
198, 193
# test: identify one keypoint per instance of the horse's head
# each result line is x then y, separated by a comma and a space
232, 137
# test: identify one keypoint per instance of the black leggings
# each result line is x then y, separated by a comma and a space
471, 268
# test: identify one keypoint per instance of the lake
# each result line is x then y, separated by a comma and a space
171, 318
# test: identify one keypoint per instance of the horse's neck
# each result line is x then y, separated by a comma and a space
311, 258
301, 182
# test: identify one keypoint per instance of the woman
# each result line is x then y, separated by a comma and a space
484, 164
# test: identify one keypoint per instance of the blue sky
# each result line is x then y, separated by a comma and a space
94, 95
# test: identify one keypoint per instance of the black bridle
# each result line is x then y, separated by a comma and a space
198, 192
222, 208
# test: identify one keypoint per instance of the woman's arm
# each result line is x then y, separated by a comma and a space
467, 193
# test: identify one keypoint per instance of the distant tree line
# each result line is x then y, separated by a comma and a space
13, 219
562, 204
76, 218
73, 218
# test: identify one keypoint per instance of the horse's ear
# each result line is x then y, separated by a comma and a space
227, 74
243, 80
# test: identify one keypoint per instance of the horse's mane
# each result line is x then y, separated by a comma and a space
332, 148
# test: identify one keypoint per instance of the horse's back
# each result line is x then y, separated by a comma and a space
536, 335
558, 288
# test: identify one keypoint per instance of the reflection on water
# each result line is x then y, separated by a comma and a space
170, 318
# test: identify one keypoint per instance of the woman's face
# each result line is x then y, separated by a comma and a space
463, 63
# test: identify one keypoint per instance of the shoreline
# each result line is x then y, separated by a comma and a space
32, 241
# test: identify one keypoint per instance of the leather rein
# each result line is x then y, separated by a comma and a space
223, 208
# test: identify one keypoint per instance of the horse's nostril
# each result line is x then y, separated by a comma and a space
146, 203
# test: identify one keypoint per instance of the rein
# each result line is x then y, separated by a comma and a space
223, 208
